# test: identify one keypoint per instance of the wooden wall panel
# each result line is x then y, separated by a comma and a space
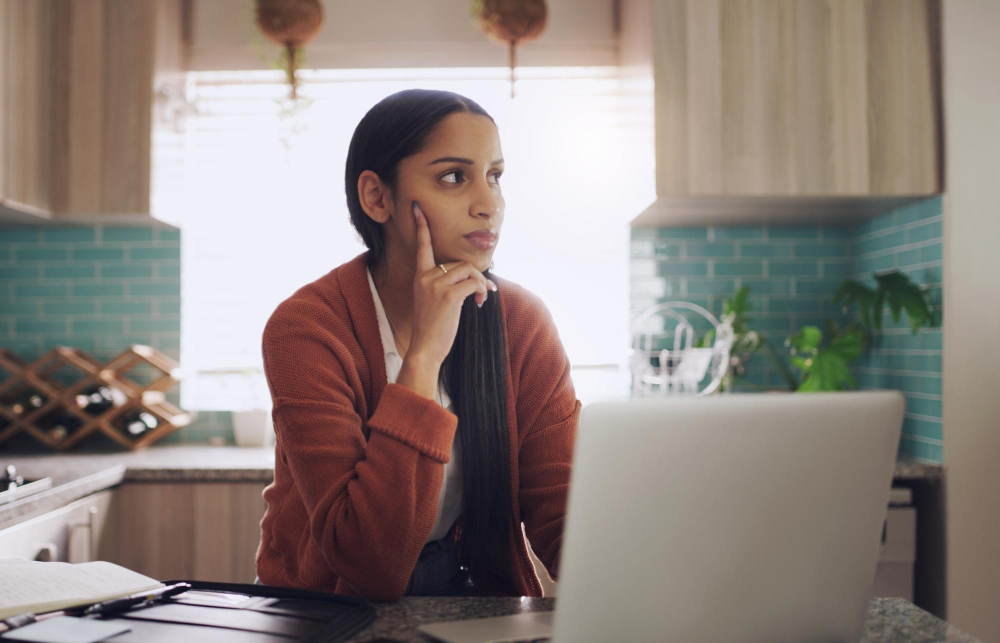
77, 121
704, 104
27, 108
4, 21
671, 95
813, 97
128, 91
849, 108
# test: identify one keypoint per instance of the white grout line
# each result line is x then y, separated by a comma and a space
926, 418
920, 438
894, 371
898, 227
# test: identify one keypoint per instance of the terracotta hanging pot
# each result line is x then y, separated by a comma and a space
291, 24
512, 22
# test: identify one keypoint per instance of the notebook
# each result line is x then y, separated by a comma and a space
35, 586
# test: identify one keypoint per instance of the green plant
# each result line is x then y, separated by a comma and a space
893, 288
824, 359
746, 342
825, 367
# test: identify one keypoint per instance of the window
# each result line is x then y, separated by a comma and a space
258, 192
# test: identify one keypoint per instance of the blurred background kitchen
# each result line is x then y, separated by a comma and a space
818, 175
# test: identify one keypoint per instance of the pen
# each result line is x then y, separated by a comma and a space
25, 618
122, 604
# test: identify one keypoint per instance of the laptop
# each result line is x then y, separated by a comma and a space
744, 517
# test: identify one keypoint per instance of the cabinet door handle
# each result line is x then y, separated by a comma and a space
90, 525
47, 552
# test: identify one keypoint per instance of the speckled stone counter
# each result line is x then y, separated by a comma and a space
916, 470
78, 474
889, 620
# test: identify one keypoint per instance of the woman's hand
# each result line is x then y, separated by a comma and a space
438, 297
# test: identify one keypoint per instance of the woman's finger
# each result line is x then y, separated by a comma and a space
425, 251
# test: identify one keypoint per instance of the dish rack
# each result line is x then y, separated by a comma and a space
47, 379
685, 368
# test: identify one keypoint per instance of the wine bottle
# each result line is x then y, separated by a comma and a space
135, 423
60, 425
27, 403
97, 400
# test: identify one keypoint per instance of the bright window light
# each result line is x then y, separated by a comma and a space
259, 195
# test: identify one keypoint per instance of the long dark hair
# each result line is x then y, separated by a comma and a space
475, 371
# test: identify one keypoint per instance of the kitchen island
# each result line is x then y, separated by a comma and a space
76, 475
889, 620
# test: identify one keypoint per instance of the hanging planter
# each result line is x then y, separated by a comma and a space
291, 24
512, 22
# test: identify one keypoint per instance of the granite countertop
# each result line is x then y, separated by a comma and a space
78, 474
889, 620
915, 470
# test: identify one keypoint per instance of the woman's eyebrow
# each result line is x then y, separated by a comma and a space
458, 159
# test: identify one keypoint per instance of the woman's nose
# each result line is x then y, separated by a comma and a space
488, 203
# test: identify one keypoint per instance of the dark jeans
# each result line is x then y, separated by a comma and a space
437, 572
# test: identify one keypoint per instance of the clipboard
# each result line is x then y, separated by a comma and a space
244, 613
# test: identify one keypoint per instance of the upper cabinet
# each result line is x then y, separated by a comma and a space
77, 85
777, 98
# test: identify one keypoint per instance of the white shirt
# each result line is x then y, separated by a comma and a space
449, 504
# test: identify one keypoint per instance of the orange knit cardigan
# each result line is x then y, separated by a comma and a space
359, 461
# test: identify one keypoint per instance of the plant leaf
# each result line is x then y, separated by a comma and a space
829, 372
850, 292
847, 345
807, 340
878, 307
903, 294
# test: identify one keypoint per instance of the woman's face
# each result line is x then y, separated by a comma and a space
455, 180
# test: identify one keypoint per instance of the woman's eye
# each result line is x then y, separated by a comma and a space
458, 173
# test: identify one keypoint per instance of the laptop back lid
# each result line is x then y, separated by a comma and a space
751, 517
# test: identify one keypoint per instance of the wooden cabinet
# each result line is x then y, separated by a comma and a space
79, 82
198, 530
813, 98
26, 105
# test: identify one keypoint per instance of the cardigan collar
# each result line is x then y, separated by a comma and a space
353, 282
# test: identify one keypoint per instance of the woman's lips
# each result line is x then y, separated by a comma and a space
484, 239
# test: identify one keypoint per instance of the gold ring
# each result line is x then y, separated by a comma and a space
441, 266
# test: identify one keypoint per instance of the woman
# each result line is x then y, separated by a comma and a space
422, 405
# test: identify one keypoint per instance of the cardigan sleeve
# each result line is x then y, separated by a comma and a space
548, 413
370, 505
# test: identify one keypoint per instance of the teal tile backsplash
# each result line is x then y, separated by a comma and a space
908, 239
98, 288
791, 272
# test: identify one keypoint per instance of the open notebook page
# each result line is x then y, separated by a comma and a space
34, 586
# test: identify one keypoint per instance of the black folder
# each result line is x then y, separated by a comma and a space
245, 613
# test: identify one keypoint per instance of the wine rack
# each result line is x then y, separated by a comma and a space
45, 382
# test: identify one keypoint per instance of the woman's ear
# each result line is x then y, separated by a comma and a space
375, 196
